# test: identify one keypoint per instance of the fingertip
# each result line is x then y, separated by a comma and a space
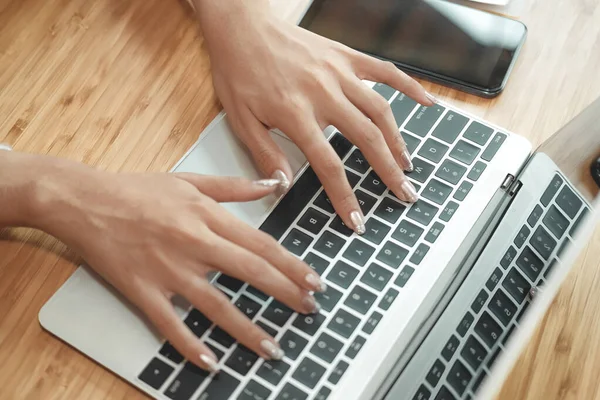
431, 99
272, 349
209, 361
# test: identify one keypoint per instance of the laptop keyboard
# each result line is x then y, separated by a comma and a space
468, 354
365, 274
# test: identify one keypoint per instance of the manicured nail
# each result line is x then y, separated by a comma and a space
272, 349
284, 182
316, 283
5, 147
409, 192
268, 182
311, 305
408, 165
358, 222
431, 97
210, 362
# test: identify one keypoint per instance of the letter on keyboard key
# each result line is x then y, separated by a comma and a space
323, 394
392, 254
407, 233
318, 264
171, 353
241, 360
478, 133
197, 322
357, 162
358, 252
309, 324
313, 221
373, 184
338, 372
389, 210
551, 190
543, 242
437, 191
326, 347
291, 392
292, 344
450, 348
376, 277
424, 118
433, 151
502, 307
388, 299
568, 202
384, 90
247, 306
308, 373
450, 127
296, 242
375, 231
329, 299
156, 373
360, 299
554, 221
411, 142
343, 323
342, 274
422, 212
221, 387
277, 313
365, 201
329, 244
422, 393
254, 391
494, 146
402, 106
421, 170
473, 352
186, 382
459, 377
530, 264
488, 329
372, 322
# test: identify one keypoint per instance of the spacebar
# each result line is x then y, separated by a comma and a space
292, 204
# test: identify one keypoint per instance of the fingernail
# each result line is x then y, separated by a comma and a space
284, 182
268, 182
5, 147
409, 191
316, 283
272, 349
210, 362
431, 97
358, 222
311, 305
408, 165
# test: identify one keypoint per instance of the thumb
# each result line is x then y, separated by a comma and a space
225, 189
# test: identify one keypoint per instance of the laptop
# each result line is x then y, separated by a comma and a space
434, 301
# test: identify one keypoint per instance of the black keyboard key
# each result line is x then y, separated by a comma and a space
434, 232
464, 152
402, 106
171, 353
230, 283
376, 277
523, 311
291, 392
473, 352
156, 373
459, 377
357, 162
297, 242
247, 306
404, 276
342, 274
411, 142
476, 171
450, 348
338, 225
407, 233
421, 170
530, 264
277, 313
241, 360
543, 242
493, 147
372, 322
479, 301
257, 293
375, 231
437, 191
222, 337
323, 393
568, 202
564, 245
292, 204
338, 372
197, 322
343, 323
358, 252
254, 391
535, 215
516, 285
266, 328
389, 210
556, 222
424, 118
360, 299
340, 144
465, 324
479, 380
450, 127
353, 179
478, 133
373, 184
508, 257
318, 264
365, 201
494, 279
551, 190
309, 324
329, 244
392, 254
522, 236
326, 347
384, 90
218, 353
577, 222
313, 221
388, 299
448, 211
435, 373
186, 382
329, 299
422, 212
355, 347
292, 344
324, 203
419, 254
422, 393
487, 329
308, 373
508, 334
433, 150
444, 394
463, 190
451, 172
221, 387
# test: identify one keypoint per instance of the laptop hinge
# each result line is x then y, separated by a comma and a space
511, 185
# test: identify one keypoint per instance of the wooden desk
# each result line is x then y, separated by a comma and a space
125, 85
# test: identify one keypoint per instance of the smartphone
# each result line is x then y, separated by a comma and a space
457, 46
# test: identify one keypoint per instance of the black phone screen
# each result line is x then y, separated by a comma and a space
430, 37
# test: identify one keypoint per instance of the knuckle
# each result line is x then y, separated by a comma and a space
332, 167
370, 134
381, 109
264, 156
220, 305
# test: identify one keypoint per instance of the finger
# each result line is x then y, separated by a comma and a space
217, 307
365, 134
267, 155
161, 313
378, 110
228, 188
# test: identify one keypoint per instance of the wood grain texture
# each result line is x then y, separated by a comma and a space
125, 85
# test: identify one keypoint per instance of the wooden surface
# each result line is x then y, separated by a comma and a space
125, 85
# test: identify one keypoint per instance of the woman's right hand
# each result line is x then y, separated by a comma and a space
156, 235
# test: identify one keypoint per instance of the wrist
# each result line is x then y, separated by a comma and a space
216, 16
